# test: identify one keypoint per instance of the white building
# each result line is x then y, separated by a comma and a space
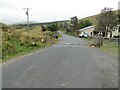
91, 31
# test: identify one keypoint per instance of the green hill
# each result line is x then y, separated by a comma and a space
92, 19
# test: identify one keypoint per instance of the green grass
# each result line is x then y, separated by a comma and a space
110, 47
59, 35
73, 34
89, 38
22, 50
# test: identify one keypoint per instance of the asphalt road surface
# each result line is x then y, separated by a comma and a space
70, 63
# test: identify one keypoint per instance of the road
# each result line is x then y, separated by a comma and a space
70, 63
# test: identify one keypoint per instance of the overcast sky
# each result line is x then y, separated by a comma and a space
11, 11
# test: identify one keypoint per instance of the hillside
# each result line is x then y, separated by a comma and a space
92, 19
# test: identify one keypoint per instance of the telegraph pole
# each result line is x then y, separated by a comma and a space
27, 13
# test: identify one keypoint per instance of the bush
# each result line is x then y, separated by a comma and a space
84, 23
8, 49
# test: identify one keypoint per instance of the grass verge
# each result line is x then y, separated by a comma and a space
25, 50
110, 47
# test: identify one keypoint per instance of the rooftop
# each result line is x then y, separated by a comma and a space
89, 27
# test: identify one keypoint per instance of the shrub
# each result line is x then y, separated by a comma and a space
8, 49
84, 23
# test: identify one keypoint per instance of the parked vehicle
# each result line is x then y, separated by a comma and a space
84, 35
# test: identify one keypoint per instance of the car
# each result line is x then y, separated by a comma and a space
83, 35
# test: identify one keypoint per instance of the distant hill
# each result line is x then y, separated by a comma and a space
39, 23
23, 23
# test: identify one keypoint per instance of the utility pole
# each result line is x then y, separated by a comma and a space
27, 13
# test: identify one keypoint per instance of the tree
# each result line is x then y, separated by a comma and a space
66, 27
61, 26
100, 27
118, 15
107, 20
53, 27
74, 22
118, 19
43, 28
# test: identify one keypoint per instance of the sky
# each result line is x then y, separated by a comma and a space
11, 11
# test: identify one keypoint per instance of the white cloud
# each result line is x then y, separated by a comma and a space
49, 10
